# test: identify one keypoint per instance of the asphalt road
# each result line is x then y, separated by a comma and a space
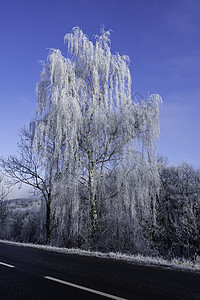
29, 273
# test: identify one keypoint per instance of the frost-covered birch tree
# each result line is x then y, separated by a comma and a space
85, 103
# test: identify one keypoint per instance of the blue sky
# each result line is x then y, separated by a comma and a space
162, 39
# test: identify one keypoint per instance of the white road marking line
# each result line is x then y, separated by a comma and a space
84, 288
7, 265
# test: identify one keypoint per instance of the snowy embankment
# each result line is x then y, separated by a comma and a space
175, 263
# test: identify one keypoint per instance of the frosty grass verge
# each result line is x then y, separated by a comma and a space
175, 263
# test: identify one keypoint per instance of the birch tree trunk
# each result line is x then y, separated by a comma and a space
94, 218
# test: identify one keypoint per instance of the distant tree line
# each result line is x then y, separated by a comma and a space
178, 209
177, 227
90, 156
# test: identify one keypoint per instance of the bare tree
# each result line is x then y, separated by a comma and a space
4, 191
28, 169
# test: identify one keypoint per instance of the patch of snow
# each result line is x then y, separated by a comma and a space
175, 263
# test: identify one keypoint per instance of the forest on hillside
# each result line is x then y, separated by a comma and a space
90, 157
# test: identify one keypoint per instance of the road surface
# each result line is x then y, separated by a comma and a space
30, 273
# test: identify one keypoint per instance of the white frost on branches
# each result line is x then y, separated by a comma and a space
86, 110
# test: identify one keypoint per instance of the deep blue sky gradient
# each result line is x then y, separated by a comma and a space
161, 37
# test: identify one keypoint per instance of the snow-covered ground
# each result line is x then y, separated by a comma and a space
175, 263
